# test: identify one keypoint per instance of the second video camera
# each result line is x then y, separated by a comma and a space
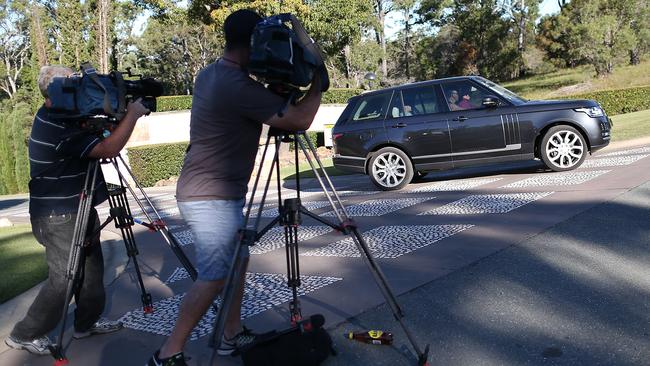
89, 95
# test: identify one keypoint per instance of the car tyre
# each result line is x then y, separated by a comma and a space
418, 176
563, 148
390, 169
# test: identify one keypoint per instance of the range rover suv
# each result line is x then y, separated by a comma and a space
397, 134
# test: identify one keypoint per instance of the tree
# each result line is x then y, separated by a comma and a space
174, 48
14, 45
603, 27
337, 25
641, 30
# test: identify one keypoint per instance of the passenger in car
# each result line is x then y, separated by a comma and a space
452, 100
465, 103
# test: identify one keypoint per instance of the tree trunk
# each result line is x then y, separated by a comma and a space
407, 46
635, 59
102, 35
381, 35
37, 35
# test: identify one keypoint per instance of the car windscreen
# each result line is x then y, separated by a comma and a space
511, 96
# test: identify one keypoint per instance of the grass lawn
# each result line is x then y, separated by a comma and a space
631, 125
545, 86
289, 172
22, 261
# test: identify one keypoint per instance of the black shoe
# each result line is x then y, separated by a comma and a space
175, 360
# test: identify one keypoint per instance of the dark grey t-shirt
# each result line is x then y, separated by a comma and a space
228, 110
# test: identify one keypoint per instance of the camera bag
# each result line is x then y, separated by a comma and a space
296, 346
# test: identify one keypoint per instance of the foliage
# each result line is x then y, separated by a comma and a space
174, 103
152, 163
601, 33
14, 130
22, 261
173, 50
619, 101
182, 102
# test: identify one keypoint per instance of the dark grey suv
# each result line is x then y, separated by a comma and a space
396, 134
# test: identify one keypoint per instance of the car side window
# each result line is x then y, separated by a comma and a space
464, 95
371, 107
421, 100
396, 108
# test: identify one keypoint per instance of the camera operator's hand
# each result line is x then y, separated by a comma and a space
136, 110
300, 116
110, 147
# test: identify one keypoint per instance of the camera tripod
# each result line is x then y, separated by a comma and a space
120, 214
289, 216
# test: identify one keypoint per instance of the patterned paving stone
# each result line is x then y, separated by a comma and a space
179, 274
263, 292
184, 237
613, 161
487, 204
453, 185
274, 238
273, 212
390, 241
557, 179
344, 193
640, 150
380, 207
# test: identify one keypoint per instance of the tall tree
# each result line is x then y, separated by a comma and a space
14, 45
337, 25
603, 27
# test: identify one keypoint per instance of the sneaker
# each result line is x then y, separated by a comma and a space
101, 326
39, 346
229, 345
175, 360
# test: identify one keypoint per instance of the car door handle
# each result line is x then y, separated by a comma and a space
399, 125
461, 118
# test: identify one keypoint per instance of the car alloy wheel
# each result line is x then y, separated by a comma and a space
564, 148
390, 169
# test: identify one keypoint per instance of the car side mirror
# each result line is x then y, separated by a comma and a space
490, 102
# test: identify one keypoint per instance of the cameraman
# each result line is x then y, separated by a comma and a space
57, 178
228, 110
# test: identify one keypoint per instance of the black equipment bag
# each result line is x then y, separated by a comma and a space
307, 344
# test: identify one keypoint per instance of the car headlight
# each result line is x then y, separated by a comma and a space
592, 112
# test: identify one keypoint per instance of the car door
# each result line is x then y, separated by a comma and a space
415, 123
478, 134
361, 130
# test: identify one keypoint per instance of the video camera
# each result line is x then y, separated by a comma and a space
283, 54
89, 96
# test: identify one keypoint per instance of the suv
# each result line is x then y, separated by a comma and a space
401, 133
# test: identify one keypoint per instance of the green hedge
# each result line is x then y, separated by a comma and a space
182, 102
339, 95
152, 163
174, 103
619, 101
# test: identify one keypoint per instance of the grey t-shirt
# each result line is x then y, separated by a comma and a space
228, 110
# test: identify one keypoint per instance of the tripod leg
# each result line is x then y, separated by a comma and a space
366, 254
158, 224
121, 213
76, 255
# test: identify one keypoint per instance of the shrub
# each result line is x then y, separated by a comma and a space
619, 101
183, 102
339, 95
174, 103
152, 163
316, 138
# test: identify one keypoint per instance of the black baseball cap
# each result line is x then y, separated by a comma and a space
238, 28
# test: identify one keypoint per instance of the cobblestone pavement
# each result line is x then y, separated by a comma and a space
420, 234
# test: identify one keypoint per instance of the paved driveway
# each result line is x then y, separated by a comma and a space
426, 232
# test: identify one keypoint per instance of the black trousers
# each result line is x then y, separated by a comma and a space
55, 233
